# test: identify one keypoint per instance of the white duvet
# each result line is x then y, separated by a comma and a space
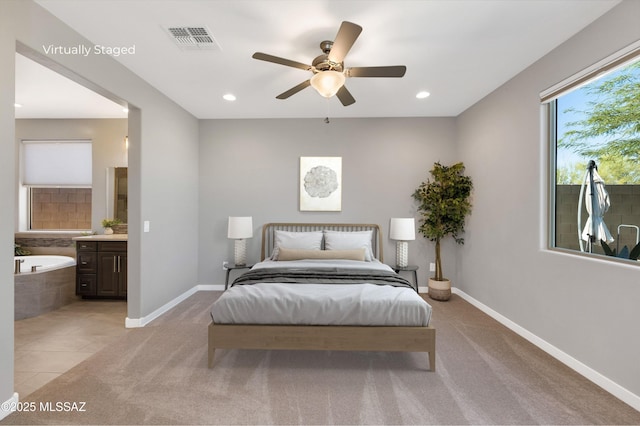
321, 304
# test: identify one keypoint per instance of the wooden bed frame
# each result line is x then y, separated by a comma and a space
319, 337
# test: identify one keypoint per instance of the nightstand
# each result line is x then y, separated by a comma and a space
233, 266
410, 268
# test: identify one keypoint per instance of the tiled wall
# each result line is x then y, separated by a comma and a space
58, 243
625, 209
38, 293
60, 208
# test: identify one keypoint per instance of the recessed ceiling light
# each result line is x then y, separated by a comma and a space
422, 95
17, 105
125, 109
229, 97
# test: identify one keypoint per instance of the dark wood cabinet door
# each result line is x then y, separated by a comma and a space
122, 289
86, 284
86, 263
108, 276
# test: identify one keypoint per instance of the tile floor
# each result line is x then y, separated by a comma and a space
50, 344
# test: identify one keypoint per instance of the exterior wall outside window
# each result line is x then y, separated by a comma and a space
60, 208
625, 209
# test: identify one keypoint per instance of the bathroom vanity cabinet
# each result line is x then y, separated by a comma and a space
101, 269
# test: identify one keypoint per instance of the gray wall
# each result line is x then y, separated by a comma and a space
163, 159
108, 150
7, 191
584, 306
251, 168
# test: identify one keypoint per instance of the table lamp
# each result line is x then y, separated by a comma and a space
403, 230
239, 229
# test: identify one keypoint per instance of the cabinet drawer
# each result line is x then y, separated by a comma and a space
112, 246
86, 285
87, 263
86, 246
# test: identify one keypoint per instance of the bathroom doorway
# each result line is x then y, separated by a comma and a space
52, 106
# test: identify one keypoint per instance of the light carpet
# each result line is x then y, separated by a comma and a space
485, 374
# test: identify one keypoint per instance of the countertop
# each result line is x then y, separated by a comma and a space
102, 237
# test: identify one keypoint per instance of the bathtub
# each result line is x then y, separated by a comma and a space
51, 286
44, 263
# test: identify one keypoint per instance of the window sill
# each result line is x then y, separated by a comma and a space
596, 257
50, 234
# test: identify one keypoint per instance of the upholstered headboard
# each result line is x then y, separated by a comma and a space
268, 233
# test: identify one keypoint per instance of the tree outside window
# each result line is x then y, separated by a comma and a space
601, 122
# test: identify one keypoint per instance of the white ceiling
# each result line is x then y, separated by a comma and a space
458, 50
42, 93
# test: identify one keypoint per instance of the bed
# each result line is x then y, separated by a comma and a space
321, 287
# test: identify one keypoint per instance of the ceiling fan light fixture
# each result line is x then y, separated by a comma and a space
327, 83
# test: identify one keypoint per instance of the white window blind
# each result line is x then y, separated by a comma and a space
56, 163
609, 64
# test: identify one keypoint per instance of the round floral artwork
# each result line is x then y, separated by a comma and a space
320, 182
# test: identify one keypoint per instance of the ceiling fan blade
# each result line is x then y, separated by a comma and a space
347, 35
294, 90
276, 60
345, 96
393, 71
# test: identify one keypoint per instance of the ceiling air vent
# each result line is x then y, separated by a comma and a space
193, 38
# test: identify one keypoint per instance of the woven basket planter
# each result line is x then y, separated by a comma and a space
120, 229
439, 290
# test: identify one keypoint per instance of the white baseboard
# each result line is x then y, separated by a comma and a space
607, 384
9, 406
210, 287
141, 322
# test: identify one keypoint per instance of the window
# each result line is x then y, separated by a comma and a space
57, 177
595, 135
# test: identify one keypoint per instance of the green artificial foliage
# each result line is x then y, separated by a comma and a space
20, 251
624, 253
108, 223
444, 203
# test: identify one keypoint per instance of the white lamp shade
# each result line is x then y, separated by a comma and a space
327, 83
240, 227
402, 229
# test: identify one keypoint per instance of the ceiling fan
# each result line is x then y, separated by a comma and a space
328, 69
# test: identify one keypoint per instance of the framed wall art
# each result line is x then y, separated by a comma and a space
321, 184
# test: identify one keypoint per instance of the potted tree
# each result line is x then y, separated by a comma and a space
444, 203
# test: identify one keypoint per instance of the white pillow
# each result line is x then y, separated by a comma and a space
296, 240
337, 240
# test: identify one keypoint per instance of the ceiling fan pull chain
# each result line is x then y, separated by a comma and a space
326, 119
